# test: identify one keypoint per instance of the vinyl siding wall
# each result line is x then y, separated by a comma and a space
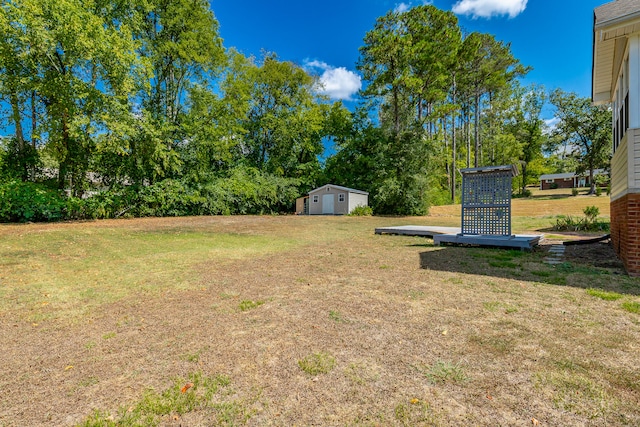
356, 200
351, 200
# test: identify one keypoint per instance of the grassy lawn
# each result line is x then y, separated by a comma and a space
310, 321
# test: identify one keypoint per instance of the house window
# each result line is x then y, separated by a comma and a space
567, 179
341, 197
315, 199
621, 106
548, 181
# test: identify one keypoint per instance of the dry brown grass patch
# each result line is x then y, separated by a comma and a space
396, 314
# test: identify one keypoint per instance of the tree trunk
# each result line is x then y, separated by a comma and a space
467, 125
453, 144
476, 130
34, 120
16, 117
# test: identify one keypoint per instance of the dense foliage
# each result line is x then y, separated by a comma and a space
137, 109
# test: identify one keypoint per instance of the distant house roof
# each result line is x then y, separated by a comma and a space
338, 187
567, 175
612, 24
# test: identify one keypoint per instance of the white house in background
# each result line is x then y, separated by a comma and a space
616, 80
333, 200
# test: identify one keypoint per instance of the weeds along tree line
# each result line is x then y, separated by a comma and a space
137, 109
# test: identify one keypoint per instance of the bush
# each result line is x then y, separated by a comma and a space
588, 223
16, 162
598, 191
168, 198
361, 211
244, 191
591, 213
26, 201
249, 191
574, 191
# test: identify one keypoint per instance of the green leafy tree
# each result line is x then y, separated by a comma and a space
586, 128
407, 59
488, 67
285, 123
83, 66
528, 128
181, 42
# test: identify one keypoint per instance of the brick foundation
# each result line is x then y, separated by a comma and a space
625, 231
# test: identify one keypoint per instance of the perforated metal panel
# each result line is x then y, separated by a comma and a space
486, 200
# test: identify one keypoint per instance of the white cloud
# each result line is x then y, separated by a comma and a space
550, 125
552, 122
336, 82
402, 7
489, 8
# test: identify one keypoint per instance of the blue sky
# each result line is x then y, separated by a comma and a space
552, 36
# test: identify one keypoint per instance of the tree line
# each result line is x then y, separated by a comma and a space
136, 108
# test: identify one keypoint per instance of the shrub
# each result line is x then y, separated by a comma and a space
26, 201
574, 191
588, 223
598, 191
361, 211
591, 213
168, 198
15, 161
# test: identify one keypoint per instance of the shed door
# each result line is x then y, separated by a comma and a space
327, 204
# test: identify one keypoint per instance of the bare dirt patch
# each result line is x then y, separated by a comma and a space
599, 254
418, 335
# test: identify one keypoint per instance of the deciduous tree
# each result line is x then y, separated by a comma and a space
586, 127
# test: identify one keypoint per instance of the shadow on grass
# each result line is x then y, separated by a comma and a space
528, 266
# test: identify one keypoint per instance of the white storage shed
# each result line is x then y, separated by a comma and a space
336, 200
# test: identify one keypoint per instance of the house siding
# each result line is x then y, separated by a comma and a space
619, 169
634, 141
560, 183
356, 200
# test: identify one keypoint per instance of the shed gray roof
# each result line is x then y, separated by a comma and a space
338, 187
614, 11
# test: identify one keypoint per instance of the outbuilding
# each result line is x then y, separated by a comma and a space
335, 200
569, 180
